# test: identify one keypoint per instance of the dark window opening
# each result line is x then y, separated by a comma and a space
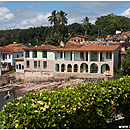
27, 54
44, 54
44, 64
27, 64
35, 54
35, 64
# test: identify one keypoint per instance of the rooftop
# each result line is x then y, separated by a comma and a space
20, 58
44, 47
87, 48
11, 48
117, 37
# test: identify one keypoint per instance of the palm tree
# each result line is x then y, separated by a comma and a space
53, 18
62, 17
86, 23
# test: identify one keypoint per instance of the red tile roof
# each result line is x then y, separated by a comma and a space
20, 58
123, 52
44, 47
117, 37
11, 48
81, 36
124, 33
87, 48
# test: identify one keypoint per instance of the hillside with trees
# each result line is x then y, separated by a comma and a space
60, 31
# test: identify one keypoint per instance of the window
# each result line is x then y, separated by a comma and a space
35, 64
20, 66
28, 64
27, 54
57, 67
44, 64
39, 64
17, 56
108, 55
35, 54
61, 54
86, 56
44, 54
9, 56
16, 66
82, 55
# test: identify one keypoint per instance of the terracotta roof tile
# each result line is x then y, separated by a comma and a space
44, 47
123, 52
20, 58
124, 33
116, 37
87, 48
81, 36
11, 48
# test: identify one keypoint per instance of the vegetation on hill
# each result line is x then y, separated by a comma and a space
85, 106
126, 63
104, 25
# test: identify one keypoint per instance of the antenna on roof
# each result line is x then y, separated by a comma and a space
62, 44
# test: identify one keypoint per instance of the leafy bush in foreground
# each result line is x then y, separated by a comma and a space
84, 106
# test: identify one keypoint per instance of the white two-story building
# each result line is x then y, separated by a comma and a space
9, 52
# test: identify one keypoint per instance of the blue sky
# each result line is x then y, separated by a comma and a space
25, 14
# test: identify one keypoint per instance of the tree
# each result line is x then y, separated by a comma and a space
126, 62
53, 18
86, 24
62, 17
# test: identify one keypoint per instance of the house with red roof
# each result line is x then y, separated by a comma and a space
11, 51
85, 61
77, 39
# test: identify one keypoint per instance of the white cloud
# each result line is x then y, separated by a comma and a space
126, 13
6, 15
39, 20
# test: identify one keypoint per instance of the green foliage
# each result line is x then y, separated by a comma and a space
117, 73
107, 25
84, 106
126, 63
110, 23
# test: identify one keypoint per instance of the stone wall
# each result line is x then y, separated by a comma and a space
35, 76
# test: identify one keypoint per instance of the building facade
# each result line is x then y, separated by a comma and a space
9, 52
85, 61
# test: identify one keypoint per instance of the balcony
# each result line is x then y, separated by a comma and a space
94, 58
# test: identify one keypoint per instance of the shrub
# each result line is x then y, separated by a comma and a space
84, 106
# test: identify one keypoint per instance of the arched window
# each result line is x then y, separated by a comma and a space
16, 66
75, 68
57, 67
69, 68
105, 69
93, 68
20, 66
63, 68
83, 68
